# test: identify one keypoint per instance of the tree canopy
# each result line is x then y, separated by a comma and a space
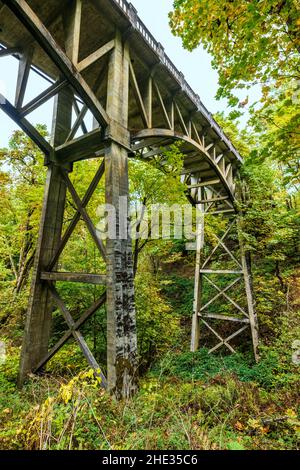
253, 43
250, 41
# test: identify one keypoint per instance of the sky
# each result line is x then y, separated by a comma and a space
196, 66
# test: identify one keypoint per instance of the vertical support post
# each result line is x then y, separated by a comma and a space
149, 101
38, 320
121, 321
23, 75
172, 115
39, 314
198, 278
247, 272
72, 23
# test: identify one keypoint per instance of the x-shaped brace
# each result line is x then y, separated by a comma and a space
73, 331
217, 246
220, 293
223, 293
211, 204
81, 209
220, 243
225, 341
83, 203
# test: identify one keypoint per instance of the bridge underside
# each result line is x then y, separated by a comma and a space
99, 61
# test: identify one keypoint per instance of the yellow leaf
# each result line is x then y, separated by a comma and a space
239, 426
291, 413
253, 423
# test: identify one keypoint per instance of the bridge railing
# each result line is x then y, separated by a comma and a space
137, 23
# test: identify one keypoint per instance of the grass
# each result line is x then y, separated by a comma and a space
187, 402
273, 370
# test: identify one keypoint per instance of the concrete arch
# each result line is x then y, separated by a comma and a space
148, 138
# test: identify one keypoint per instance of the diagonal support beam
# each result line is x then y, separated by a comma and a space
84, 215
228, 251
31, 21
194, 129
181, 120
25, 125
217, 194
211, 204
79, 122
138, 96
82, 320
227, 296
77, 112
223, 291
88, 61
222, 341
229, 338
217, 246
162, 104
23, 75
76, 334
88, 195
43, 97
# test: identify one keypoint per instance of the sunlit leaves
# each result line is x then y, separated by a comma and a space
252, 43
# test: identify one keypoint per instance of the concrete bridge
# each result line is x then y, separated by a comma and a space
99, 58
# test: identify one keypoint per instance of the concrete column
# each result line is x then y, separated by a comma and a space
38, 320
121, 321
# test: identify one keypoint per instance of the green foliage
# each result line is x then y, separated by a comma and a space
180, 292
270, 224
13, 405
220, 412
269, 372
269, 227
277, 124
253, 44
157, 324
22, 178
162, 184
